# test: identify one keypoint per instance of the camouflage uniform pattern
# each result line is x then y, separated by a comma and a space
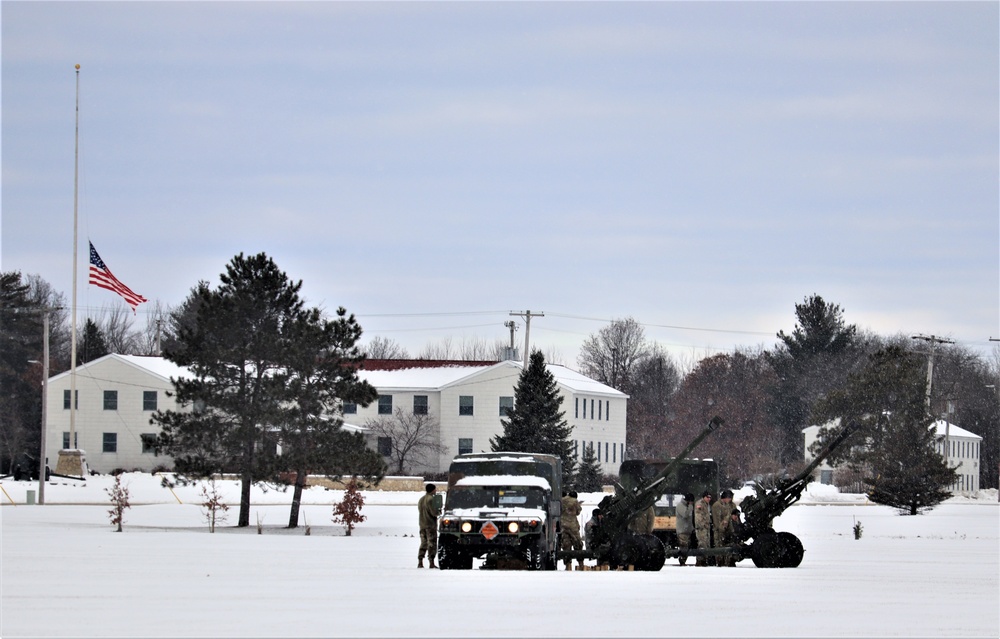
428, 527
643, 522
703, 527
569, 523
722, 521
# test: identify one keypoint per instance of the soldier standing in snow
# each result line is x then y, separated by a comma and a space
722, 521
703, 525
570, 525
685, 526
428, 526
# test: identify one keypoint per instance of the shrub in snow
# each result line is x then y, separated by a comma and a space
215, 509
119, 502
857, 529
348, 510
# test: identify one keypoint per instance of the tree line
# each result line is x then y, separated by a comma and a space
820, 372
766, 395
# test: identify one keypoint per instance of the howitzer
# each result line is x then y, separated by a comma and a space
770, 549
613, 543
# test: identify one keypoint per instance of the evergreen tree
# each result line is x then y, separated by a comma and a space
810, 362
589, 477
894, 449
236, 349
323, 361
535, 424
94, 345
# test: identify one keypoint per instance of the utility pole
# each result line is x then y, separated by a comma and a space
43, 464
934, 341
527, 330
512, 325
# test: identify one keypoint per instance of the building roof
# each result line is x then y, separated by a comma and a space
408, 374
953, 431
157, 366
417, 374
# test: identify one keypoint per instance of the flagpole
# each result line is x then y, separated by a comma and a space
76, 184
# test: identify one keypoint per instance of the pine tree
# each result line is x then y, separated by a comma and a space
535, 424
894, 450
94, 345
589, 477
233, 340
348, 510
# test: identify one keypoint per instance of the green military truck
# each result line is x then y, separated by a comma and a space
501, 506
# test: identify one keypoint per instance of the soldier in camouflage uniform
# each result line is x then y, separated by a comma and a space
703, 525
642, 524
570, 526
428, 526
722, 521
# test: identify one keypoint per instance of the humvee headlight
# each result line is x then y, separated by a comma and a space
466, 526
513, 527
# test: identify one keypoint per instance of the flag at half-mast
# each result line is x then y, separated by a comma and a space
100, 275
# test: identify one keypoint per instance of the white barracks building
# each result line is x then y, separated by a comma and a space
117, 395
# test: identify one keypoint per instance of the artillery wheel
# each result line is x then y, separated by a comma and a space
628, 550
777, 550
654, 555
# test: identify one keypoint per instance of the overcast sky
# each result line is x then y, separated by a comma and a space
701, 167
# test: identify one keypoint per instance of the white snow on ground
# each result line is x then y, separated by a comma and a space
65, 573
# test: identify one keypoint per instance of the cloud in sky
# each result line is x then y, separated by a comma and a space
697, 165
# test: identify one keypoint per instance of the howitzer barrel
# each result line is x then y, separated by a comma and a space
618, 510
831, 446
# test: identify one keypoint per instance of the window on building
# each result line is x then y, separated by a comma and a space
605, 451
420, 404
110, 443
607, 410
350, 408
464, 445
585, 409
506, 405
465, 406
66, 400
600, 411
148, 400
576, 407
110, 400
385, 404
148, 440
76, 440
614, 454
385, 446
592, 409
598, 451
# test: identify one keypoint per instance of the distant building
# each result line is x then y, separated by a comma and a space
961, 445
117, 395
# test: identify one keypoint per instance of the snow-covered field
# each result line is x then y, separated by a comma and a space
65, 573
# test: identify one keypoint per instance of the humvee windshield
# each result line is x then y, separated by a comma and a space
495, 497
494, 467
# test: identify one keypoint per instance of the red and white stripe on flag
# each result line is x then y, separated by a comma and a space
100, 275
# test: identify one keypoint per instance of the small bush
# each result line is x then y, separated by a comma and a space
215, 509
119, 502
857, 529
348, 511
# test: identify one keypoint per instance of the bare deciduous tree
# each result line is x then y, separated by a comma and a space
612, 354
385, 348
409, 439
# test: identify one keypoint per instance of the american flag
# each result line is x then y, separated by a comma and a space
100, 275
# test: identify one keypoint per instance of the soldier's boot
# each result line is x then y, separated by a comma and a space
580, 565
569, 565
432, 563
420, 562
